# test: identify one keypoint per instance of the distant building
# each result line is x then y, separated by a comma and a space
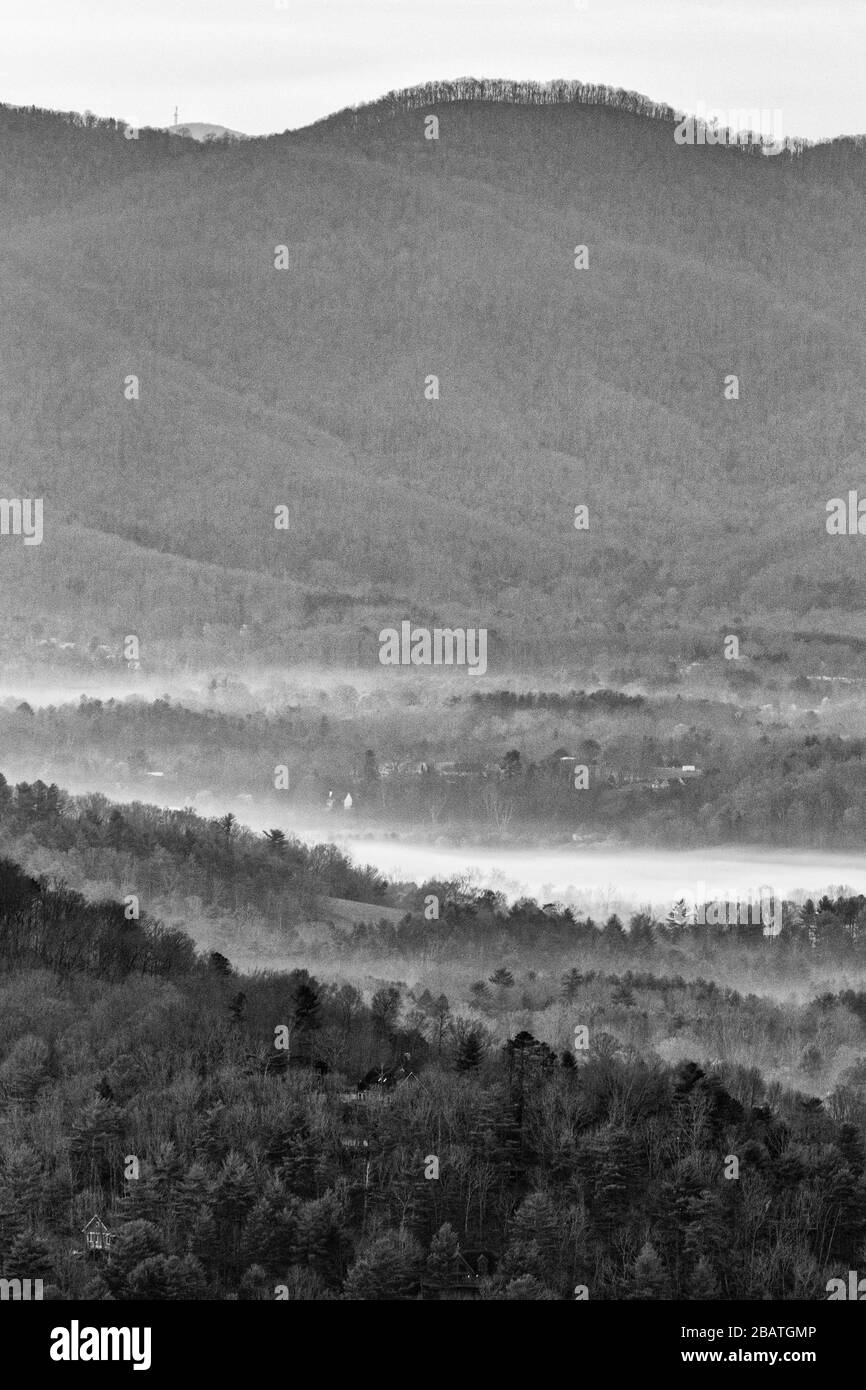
614, 776
404, 769
97, 1235
382, 1081
457, 770
464, 1283
668, 776
559, 762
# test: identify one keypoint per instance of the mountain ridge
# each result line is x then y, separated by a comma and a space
558, 386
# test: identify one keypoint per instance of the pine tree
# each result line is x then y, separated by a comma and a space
167, 1278
649, 1280
30, 1257
25, 1069
304, 1285
321, 1236
850, 1146
571, 983
623, 994
254, 1286
388, 1269
443, 1261
134, 1242
192, 1196
704, 1284
270, 1230
470, 1052
613, 935
95, 1147
536, 1241
525, 1289
219, 964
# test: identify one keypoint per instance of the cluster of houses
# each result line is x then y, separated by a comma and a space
656, 778
448, 771
404, 769
559, 763
670, 776
56, 645
347, 801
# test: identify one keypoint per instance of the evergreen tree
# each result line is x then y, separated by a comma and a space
703, 1283
649, 1280
168, 1278
307, 1013
254, 1286
571, 983
30, 1257
470, 1051
526, 1289
388, 1268
443, 1262
321, 1237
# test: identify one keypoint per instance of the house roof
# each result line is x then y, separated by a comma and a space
99, 1222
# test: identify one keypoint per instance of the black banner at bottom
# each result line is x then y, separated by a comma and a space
157, 1339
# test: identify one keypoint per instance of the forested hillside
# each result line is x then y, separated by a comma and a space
592, 1119
305, 386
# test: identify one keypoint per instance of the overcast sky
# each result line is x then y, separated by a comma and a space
268, 65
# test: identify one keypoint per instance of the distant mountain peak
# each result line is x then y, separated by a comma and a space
204, 130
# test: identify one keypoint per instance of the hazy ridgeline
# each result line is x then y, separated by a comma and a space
780, 761
305, 387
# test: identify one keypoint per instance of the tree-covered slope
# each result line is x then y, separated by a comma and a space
408, 258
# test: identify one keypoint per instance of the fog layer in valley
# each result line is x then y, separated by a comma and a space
616, 880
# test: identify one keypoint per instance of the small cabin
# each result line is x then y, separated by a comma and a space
453, 771
381, 1082
97, 1235
463, 1283
670, 776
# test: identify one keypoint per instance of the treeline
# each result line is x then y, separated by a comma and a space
574, 701
769, 776
156, 850
784, 788
463, 1170
841, 151
515, 93
41, 925
54, 157
832, 929
559, 92
42, 120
